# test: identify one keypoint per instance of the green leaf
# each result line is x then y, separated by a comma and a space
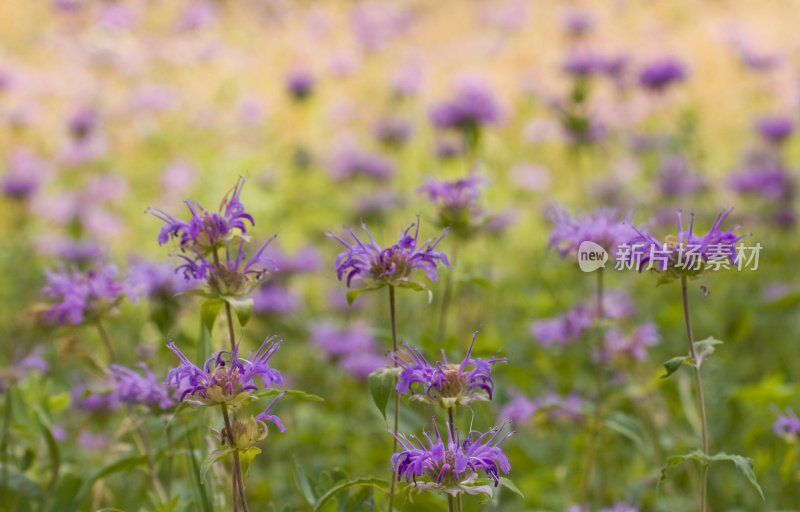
628, 426
352, 295
197, 480
508, 484
13, 480
705, 348
209, 311
52, 446
243, 306
359, 501
109, 469
373, 482
674, 364
743, 464
303, 484
212, 458
65, 496
417, 287
381, 385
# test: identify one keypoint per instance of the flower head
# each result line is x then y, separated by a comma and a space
775, 129
83, 296
658, 74
133, 388
685, 253
457, 201
447, 383
452, 467
391, 266
226, 378
787, 425
473, 105
603, 228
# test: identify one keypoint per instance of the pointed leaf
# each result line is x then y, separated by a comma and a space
381, 385
209, 311
417, 287
672, 365
705, 348
508, 484
243, 306
352, 295
294, 393
303, 483
211, 458
743, 464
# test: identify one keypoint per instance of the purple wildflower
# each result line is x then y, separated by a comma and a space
227, 380
563, 329
20, 365
472, 105
558, 408
392, 131
775, 129
132, 388
390, 266
583, 64
449, 384
602, 228
621, 506
24, 175
274, 298
207, 231
675, 178
155, 281
351, 160
457, 201
633, 345
684, 253
762, 174
353, 347
452, 467
82, 296
97, 398
577, 22
787, 425
658, 74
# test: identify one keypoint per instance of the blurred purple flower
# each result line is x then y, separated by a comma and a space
132, 388
352, 346
621, 506
230, 380
457, 201
452, 468
603, 228
675, 179
583, 63
151, 280
82, 296
563, 329
558, 408
577, 22
658, 74
787, 424
633, 345
350, 160
775, 129
472, 105
97, 398
197, 14
392, 131
448, 384
406, 80
20, 365
391, 266
83, 122
25, 172
90, 441
274, 298
762, 174
375, 24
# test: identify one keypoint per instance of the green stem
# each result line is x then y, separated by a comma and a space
4, 442
393, 320
600, 376
700, 396
106, 342
237, 466
148, 452
231, 332
450, 503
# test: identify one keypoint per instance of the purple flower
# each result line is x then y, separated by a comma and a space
196, 15
353, 347
633, 345
583, 64
621, 506
563, 329
787, 425
559, 409
153, 281
228, 380
300, 83
452, 468
449, 384
82, 296
350, 160
472, 105
775, 129
133, 388
602, 228
457, 202
764, 175
674, 178
20, 365
577, 22
686, 252
207, 231
274, 298
98, 398
391, 266
25, 173
83, 122
392, 131
658, 74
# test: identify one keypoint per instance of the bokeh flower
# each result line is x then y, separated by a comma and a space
82, 296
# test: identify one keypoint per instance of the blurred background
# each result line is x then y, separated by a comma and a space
337, 112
